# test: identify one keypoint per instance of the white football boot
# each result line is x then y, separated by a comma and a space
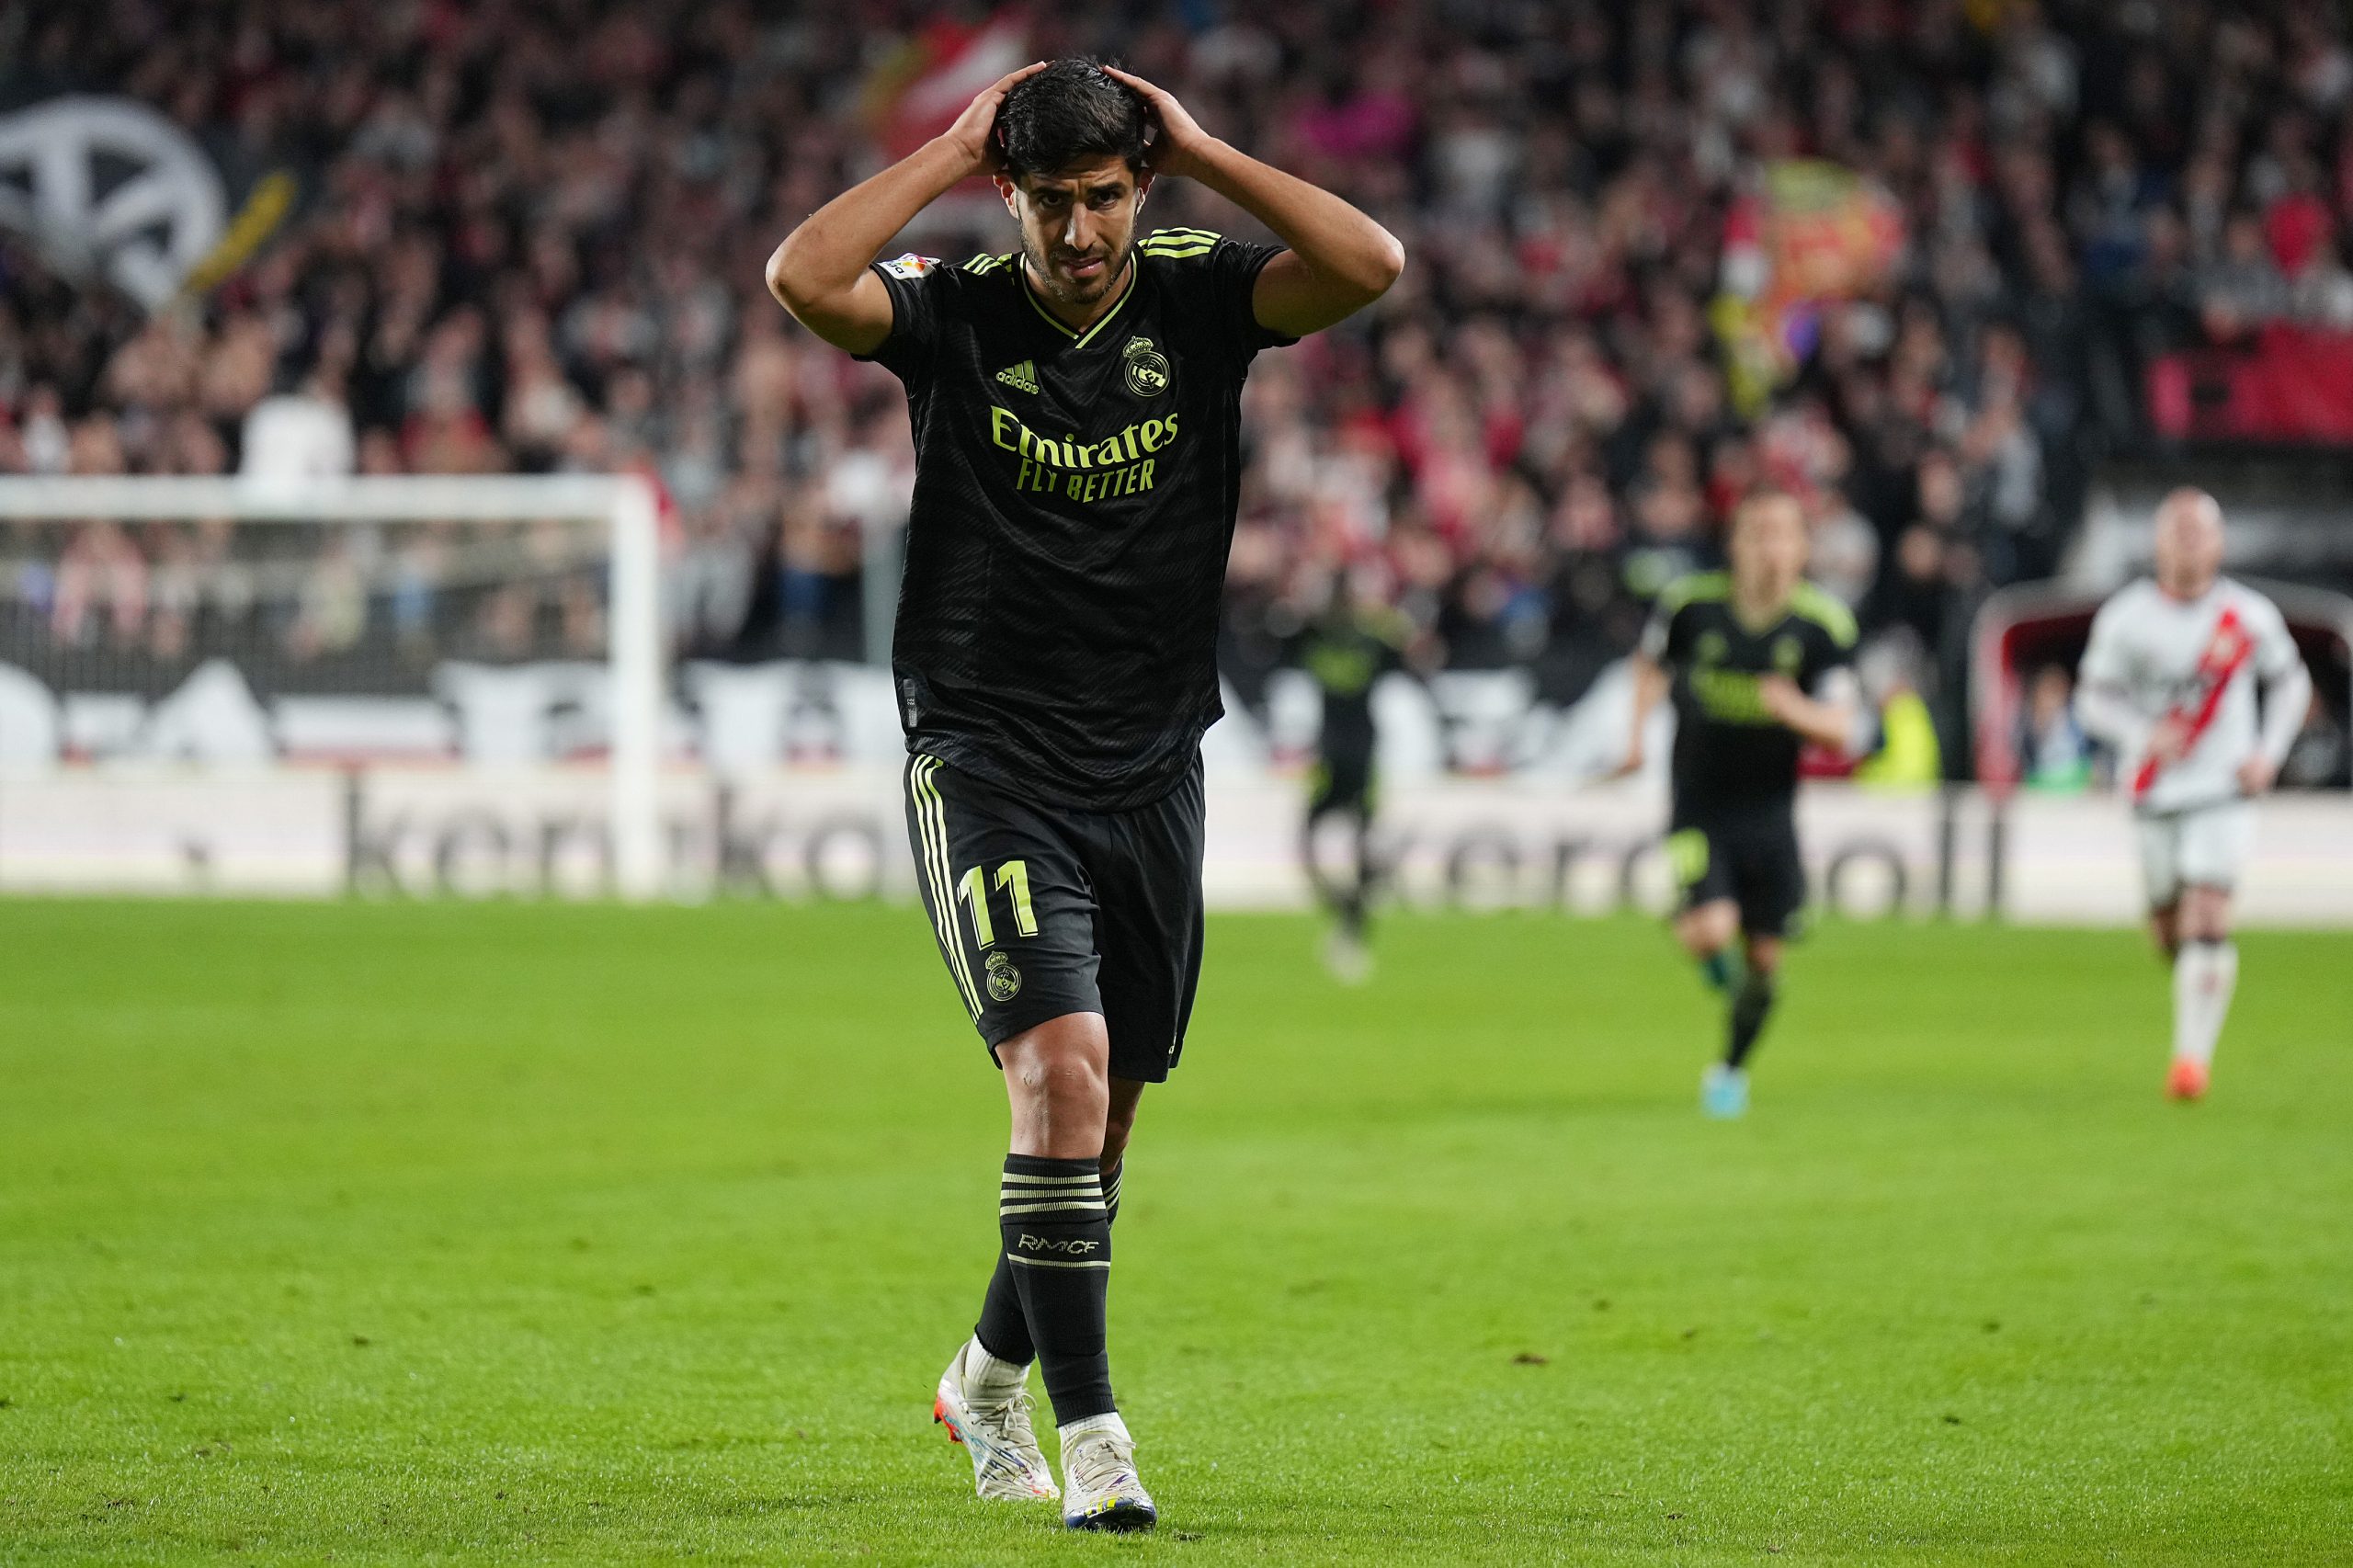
984, 1404
1349, 960
1100, 1488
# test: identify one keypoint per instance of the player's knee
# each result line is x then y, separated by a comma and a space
1065, 1080
1058, 1077
1707, 929
2199, 916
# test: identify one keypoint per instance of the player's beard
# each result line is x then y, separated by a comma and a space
1067, 292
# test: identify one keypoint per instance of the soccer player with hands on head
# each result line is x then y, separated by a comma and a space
1076, 413
2169, 681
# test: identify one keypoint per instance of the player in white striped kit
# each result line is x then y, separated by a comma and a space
2169, 680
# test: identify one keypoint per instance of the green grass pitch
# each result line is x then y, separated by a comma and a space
382, 1233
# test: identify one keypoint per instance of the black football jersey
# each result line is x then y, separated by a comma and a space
1345, 655
1728, 750
1073, 507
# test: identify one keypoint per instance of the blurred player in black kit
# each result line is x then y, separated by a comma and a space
1759, 662
1351, 643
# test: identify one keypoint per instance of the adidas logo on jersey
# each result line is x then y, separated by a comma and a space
1020, 378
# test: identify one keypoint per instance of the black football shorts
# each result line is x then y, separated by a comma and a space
1042, 910
1342, 781
1749, 856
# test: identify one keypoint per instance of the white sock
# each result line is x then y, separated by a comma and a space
1108, 1423
983, 1370
2204, 978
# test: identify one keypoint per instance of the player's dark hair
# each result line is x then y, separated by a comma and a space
1071, 111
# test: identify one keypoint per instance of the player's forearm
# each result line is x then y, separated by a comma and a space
1649, 687
820, 262
2108, 715
2286, 703
1829, 725
1355, 258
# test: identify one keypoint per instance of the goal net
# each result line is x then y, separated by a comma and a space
216, 682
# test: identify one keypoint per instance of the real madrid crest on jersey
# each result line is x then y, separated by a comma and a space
1711, 649
1787, 654
1148, 374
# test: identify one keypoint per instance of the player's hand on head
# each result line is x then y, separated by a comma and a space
1178, 138
975, 134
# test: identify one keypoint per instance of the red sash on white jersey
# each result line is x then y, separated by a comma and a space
2227, 652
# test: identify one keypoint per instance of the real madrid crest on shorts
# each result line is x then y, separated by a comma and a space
1148, 373
1004, 979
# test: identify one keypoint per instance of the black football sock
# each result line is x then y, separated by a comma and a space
1749, 1010
1352, 913
1002, 1331
1359, 913
1057, 1233
1722, 970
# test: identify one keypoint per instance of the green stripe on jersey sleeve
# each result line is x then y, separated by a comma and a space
1697, 587
1822, 608
1176, 244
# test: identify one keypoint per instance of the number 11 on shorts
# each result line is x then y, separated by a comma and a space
972, 888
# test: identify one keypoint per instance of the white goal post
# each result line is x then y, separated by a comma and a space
623, 505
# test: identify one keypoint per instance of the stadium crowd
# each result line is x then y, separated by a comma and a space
531, 237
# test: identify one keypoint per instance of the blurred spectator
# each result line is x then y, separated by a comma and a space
2242, 290
2320, 758
2057, 753
1907, 754
299, 436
